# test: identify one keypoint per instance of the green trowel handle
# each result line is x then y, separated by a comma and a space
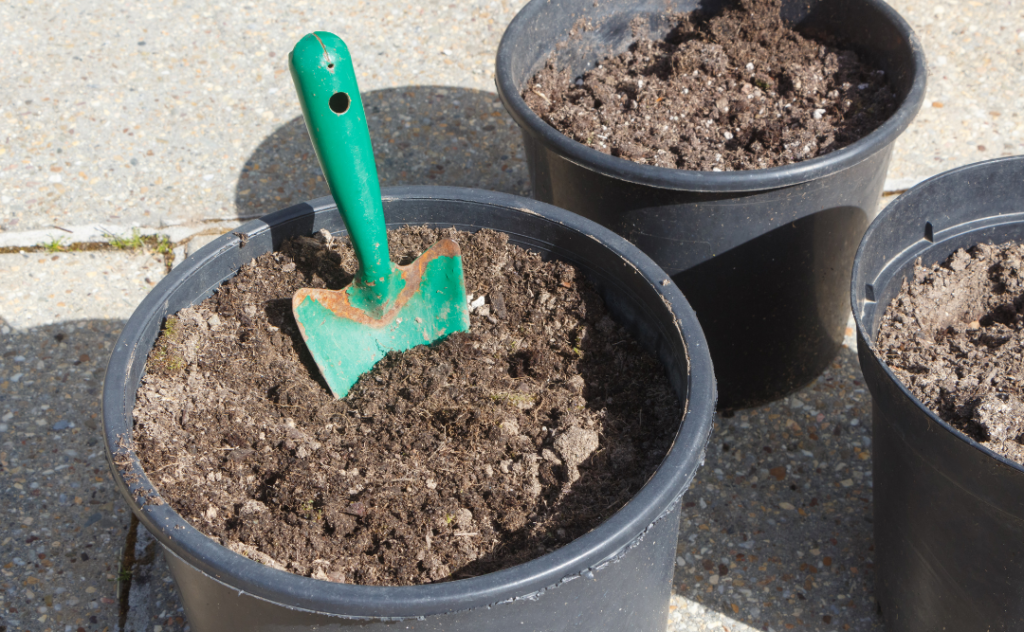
326, 82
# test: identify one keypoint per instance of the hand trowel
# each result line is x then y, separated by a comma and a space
387, 307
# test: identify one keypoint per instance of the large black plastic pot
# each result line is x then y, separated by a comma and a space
763, 256
949, 513
617, 577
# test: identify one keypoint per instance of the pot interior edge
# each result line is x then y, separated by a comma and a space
553, 30
889, 281
208, 268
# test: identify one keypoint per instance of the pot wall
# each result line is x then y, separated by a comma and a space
763, 256
630, 593
948, 513
616, 577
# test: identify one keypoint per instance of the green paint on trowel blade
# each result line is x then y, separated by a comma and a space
344, 349
378, 298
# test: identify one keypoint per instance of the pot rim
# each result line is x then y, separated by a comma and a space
573, 561
704, 181
910, 253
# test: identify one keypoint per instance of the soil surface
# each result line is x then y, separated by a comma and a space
955, 337
737, 91
481, 452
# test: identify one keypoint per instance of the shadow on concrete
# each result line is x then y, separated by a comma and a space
776, 529
431, 135
63, 523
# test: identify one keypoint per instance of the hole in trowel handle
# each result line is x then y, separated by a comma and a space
339, 102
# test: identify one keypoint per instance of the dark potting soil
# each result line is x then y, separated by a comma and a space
481, 452
955, 338
737, 91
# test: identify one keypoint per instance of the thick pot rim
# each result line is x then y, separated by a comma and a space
702, 181
574, 561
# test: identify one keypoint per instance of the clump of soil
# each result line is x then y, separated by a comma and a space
955, 337
737, 91
483, 451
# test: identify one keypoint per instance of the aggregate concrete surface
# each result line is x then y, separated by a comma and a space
178, 119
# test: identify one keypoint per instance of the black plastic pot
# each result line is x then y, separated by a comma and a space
617, 577
949, 513
763, 256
